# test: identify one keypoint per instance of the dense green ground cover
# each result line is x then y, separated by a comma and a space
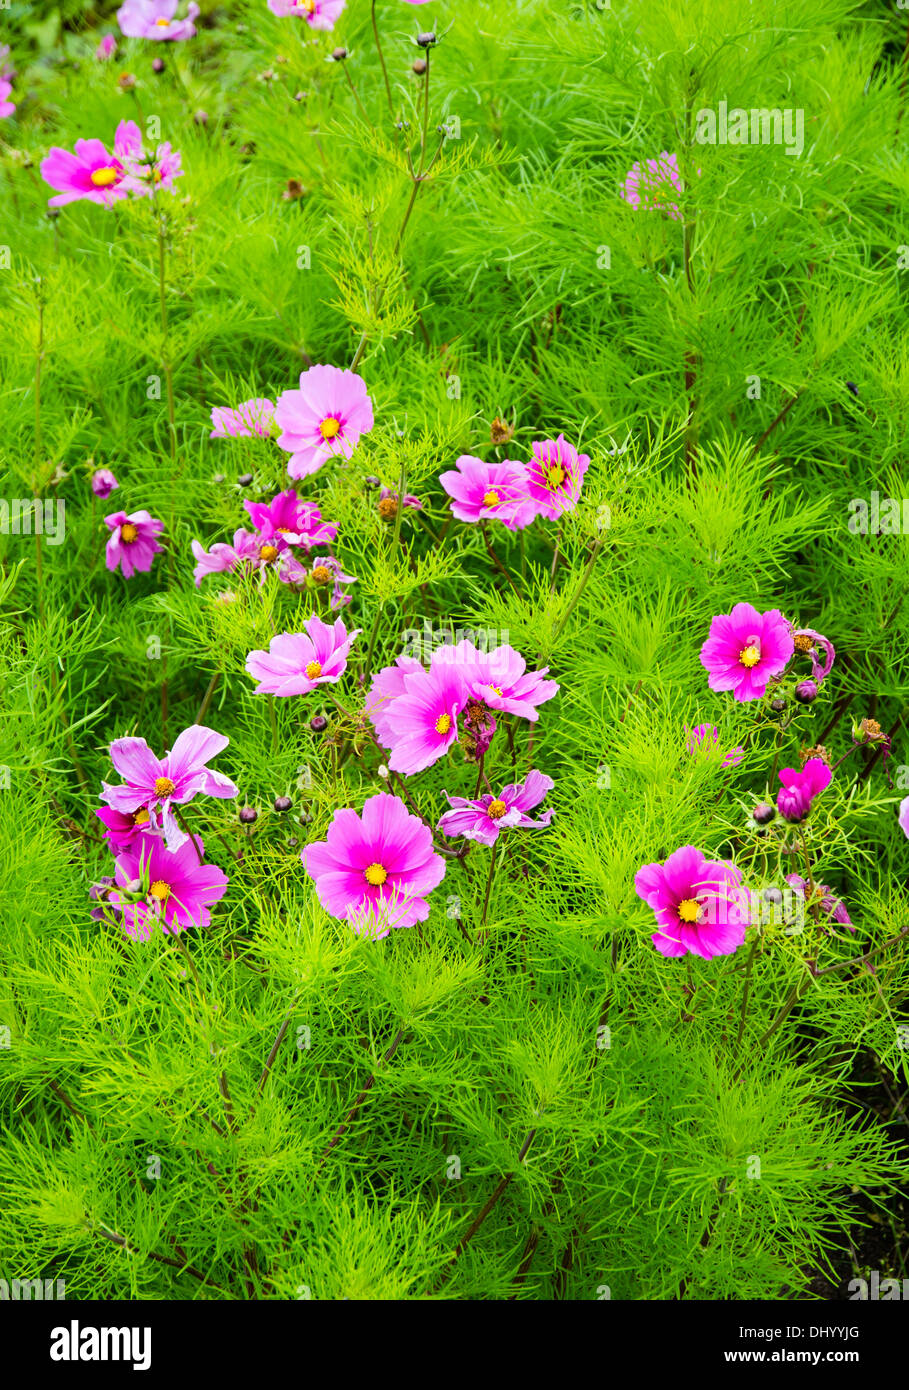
552, 1108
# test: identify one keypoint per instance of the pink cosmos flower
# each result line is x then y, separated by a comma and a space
554, 477
154, 19
122, 829
106, 48
650, 184
6, 107
498, 678
132, 546
249, 418
386, 686
484, 820
158, 784
156, 173
299, 522
326, 416
423, 719
319, 14
103, 483
793, 800
707, 736
297, 662
91, 172
494, 491
903, 815
181, 890
833, 906
699, 904
745, 648
373, 870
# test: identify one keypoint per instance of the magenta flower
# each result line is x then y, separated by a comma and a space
319, 14
554, 477
483, 820
707, 736
793, 800
423, 720
326, 416
833, 906
298, 662
158, 784
122, 829
132, 546
903, 815
493, 491
649, 184
323, 572
106, 48
299, 522
498, 678
374, 870
386, 686
745, 648
91, 172
250, 418
154, 19
7, 107
699, 904
156, 173
180, 888
103, 483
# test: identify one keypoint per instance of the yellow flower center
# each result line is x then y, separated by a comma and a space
555, 475
443, 723
491, 499
103, 178
313, 671
141, 817
128, 533
268, 552
749, 656
496, 809
375, 875
162, 23
308, 5
497, 691
321, 574
330, 427
163, 786
160, 890
689, 909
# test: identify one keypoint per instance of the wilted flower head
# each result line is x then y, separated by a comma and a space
133, 544
745, 648
484, 819
699, 904
155, 19
298, 662
373, 870
819, 648
325, 416
834, 907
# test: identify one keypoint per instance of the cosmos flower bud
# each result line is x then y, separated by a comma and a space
372, 481
426, 40
282, 803
201, 117
245, 479
806, 692
338, 55
772, 895
778, 706
419, 66
157, 64
318, 723
248, 815
126, 81
763, 813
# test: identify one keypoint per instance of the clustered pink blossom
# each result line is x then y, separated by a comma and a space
745, 650
516, 493
297, 662
92, 174
484, 819
699, 904
133, 542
